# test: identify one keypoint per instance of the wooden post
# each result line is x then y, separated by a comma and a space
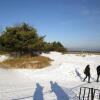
84, 94
99, 96
88, 94
92, 94
80, 94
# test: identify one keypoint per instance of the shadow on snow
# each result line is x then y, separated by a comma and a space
38, 94
61, 95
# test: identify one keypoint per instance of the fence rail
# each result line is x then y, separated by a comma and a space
87, 93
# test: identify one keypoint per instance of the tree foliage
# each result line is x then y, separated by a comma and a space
25, 39
55, 46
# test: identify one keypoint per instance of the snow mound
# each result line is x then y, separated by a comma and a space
3, 58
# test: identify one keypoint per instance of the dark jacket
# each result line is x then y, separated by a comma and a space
98, 70
87, 70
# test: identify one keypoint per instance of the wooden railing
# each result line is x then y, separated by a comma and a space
87, 93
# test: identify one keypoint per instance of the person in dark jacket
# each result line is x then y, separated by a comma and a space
98, 73
87, 73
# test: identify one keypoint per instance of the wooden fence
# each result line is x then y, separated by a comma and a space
87, 93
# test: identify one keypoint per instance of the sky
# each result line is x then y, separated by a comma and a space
75, 23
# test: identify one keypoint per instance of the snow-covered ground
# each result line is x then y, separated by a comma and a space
60, 81
3, 57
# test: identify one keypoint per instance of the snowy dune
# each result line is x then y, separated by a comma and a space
60, 81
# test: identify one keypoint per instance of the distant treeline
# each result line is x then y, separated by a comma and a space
84, 52
24, 39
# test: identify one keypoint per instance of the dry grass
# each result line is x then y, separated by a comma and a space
26, 62
3, 53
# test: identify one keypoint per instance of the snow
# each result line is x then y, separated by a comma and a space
3, 57
59, 81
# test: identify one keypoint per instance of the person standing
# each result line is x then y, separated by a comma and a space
98, 73
87, 73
